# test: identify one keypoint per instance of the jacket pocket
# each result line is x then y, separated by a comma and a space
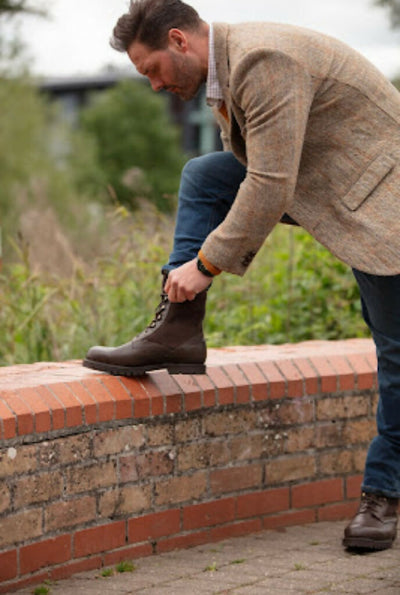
369, 180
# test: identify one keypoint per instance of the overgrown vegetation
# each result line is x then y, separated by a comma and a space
295, 290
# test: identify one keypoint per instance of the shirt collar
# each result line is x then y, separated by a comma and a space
213, 88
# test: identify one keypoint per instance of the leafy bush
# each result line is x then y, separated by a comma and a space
23, 145
138, 148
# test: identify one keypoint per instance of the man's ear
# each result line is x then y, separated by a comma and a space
178, 39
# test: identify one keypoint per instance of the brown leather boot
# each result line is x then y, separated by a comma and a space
375, 525
174, 340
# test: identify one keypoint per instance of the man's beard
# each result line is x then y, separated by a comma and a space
187, 81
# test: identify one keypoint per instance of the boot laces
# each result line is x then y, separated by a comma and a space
372, 503
158, 315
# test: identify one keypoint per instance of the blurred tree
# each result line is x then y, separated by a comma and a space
394, 8
11, 45
22, 147
12, 7
138, 147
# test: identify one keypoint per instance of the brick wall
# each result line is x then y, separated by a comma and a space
96, 469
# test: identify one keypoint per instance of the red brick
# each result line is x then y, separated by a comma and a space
157, 402
257, 381
46, 553
8, 565
241, 384
182, 541
294, 380
233, 479
208, 389
319, 492
224, 386
141, 405
309, 375
344, 372
192, 395
39, 408
371, 360
123, 400
56, 408
337, 512
353, 486
301, 517
73, 407
208, 514
20, 584
8, 422
364, 373
89, 403
141, 399
328, 376
105, 402
99, 539
128, 553
262, 503
169, 388
24, 415
276, 382
236, 530
152, 526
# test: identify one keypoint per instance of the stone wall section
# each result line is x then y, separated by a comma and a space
97, 469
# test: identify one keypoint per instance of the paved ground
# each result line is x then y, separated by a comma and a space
307, 559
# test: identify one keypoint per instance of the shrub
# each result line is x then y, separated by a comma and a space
138, 148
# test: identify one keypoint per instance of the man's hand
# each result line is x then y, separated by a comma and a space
185, 282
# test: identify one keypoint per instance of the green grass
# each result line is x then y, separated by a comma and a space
295, 290
125, 567
41, 590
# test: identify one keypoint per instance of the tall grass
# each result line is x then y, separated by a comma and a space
295, 290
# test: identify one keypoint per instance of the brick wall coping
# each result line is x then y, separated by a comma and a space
60, 397
96, 469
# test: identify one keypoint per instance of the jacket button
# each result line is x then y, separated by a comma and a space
246, 260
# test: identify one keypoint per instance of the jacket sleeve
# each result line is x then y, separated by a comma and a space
271, 99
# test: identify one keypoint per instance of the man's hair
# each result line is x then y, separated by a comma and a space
149, 21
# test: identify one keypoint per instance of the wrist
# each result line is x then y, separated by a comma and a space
205, 267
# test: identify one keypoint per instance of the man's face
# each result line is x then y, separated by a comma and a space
172, 69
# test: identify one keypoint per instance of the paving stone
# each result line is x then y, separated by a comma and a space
305, 560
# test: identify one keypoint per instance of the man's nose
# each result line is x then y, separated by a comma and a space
156, 84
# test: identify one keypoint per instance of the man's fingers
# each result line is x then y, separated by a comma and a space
180, 295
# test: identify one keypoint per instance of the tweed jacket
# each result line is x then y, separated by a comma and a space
318, 128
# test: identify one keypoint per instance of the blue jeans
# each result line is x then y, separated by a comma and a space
208, 188
209, 185
380, 298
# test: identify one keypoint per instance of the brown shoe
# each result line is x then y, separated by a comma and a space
375, 525
174, 340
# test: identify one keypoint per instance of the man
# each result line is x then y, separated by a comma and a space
311, 133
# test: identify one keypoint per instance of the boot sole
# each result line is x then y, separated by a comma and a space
142, 370
366, 544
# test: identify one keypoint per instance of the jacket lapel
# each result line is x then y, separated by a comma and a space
221, 34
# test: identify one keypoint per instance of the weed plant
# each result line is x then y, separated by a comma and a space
295, 290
